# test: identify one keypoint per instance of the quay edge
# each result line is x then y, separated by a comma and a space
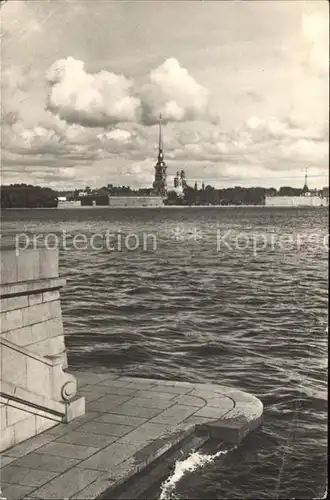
132, 433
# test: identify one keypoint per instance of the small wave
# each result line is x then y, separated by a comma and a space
195, 461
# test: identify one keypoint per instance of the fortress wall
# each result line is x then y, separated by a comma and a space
296, 201
135, 201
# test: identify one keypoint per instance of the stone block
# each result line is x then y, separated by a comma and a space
7, 438
48, 263
38, 377
50, 296
25, 429
26, 477
48, 347
11, 320
65, 360
28, 265
13, 366
36, 314
54, 308
3, 416
15, 415
66, 450
12, 303
47, 329
68, 484
44, 424
8, 267
20, 336
35, 298
75, 408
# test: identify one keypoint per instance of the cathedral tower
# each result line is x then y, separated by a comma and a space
160, 182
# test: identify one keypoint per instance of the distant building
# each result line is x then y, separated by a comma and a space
135, 201
325, 192
308, 198
305, 189
68, 204
180, 183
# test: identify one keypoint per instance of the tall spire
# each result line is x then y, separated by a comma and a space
305, 188
159, 184
160, 143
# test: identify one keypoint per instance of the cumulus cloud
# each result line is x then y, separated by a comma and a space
116, 134
103, 99
92, 100
171, 91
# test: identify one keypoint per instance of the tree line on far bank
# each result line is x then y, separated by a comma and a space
28, 196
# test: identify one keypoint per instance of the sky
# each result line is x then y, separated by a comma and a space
242, 87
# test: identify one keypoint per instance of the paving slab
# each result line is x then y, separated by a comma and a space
46, 462
155, 394
87, 439
114, 418
131, 427
4, 460
156, 402
112, 455
67, 450
30, 445
136, 411
101, 428
15, 491
66, 485
108, 402
26, 477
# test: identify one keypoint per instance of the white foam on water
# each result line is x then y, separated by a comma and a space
195, 461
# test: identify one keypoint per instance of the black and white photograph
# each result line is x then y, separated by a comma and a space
164, 243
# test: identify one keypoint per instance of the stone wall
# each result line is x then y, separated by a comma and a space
36, 393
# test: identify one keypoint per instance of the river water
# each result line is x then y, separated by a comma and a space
236, 296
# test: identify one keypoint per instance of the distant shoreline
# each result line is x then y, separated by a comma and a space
160, 207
